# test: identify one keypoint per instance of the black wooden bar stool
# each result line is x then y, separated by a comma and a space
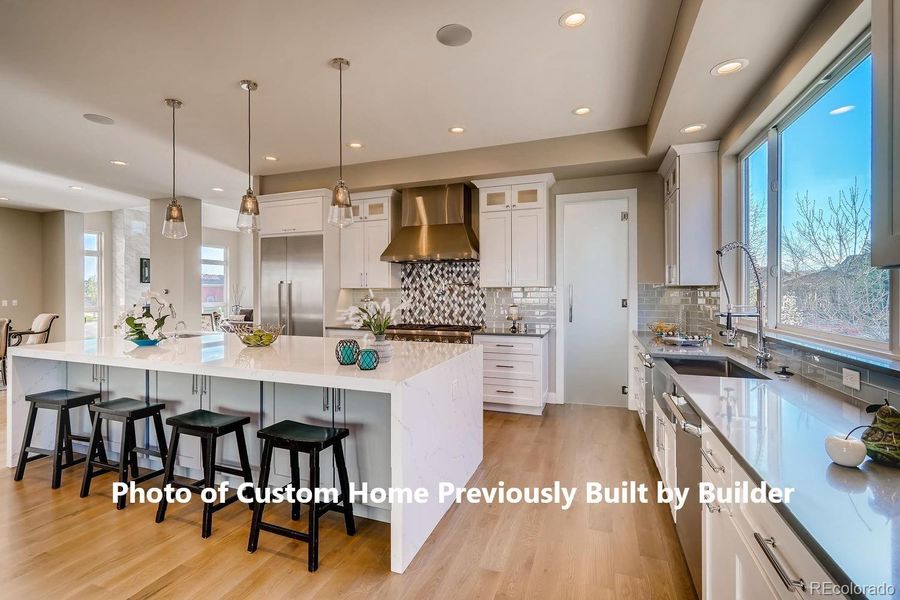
125, 411
62, 401
311, 439
209, 427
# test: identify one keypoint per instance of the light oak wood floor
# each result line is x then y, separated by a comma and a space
55, 545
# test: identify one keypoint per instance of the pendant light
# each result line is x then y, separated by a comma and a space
248, 215
341, 212
174, 227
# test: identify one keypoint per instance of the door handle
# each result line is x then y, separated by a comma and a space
571, 300
290, 308
767, 544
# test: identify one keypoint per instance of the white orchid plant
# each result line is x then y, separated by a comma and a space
372, 315
146, 320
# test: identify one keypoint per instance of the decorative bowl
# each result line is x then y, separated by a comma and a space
258, 336
662, 328
147, 342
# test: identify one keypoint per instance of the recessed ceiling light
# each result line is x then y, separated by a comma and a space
355, 145
572, 18
729, 67
841, 110
218, 189
272, 158
582, 110
99, 119
456, 130
693, 128
75, 187
454, 35
118, 163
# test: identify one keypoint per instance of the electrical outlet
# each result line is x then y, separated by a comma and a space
851, 378
4, 303
744, 342
15, 302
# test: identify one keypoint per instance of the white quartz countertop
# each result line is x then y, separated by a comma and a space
291, 359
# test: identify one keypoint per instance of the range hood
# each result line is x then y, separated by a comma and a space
436, 225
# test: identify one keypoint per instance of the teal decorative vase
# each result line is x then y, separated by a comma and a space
368, 359
147, 342
346, 351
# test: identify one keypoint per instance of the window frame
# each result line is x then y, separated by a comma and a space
98, 254
224, 264
848, 60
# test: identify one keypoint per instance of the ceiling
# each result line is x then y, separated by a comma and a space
517, 80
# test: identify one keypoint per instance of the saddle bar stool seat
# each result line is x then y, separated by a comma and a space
310, 439
125, 411
62, 401
209, 427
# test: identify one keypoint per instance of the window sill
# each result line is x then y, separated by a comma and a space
867, 358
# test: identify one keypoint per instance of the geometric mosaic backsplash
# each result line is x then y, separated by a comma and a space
442, 292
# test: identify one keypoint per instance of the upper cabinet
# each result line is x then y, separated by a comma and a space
886, 134
691, 187
292, 213
363, 242
514, 230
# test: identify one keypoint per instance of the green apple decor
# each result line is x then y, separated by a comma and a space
882, 438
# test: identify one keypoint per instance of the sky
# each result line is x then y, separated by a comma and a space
822, 152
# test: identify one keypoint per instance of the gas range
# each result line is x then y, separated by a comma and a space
417, 332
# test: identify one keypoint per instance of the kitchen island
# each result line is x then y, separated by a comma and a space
414, 422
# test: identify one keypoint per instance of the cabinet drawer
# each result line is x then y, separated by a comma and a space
505, 391
512, 366
503, 344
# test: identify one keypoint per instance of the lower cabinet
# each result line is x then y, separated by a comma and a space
516, 373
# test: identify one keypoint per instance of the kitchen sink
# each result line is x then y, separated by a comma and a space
711, 367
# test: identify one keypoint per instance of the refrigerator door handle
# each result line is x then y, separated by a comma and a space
280, 312
290, 308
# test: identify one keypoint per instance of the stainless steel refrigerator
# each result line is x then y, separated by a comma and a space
291, 283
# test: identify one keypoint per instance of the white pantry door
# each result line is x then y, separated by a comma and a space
594, 284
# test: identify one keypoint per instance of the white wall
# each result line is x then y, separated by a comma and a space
131, 242
21, 266
63, 273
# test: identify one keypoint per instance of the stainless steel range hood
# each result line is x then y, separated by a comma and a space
437, 224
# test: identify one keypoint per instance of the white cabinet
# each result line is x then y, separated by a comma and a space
290, 216
363, 242
516, 373
691, 188
514, 231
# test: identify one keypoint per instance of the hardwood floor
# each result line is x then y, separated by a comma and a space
53, 544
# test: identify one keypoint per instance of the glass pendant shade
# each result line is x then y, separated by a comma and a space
174, 227
248, 215
341, 212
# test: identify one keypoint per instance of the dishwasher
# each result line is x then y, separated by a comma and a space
688, 427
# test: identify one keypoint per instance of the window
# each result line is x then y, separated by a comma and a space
93, 282
820, 198
213, 279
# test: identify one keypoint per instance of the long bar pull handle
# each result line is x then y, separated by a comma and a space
290, 308
280, 294
767, 544
571, 300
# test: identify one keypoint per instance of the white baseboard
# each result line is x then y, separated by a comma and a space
552, 399
509, 408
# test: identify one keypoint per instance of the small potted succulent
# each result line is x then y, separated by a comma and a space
376, 318
144, 322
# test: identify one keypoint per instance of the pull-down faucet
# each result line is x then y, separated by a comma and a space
763, 356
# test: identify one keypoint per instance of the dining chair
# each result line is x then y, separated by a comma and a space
4, 341
38, 334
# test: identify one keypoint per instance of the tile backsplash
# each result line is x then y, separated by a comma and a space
448, 293
692, 308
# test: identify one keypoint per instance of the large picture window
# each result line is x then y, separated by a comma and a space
93, 285
819, 193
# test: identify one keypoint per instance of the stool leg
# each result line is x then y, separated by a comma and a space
265, 464
295, 481
169, 474
160, 438
313, 556
67, 423
26, 441
345, 487
101, 448
209, 469
245, 460
58, 448
132, 455
124, 459
94, 444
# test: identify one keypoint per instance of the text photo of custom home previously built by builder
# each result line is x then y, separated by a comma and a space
453, 300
